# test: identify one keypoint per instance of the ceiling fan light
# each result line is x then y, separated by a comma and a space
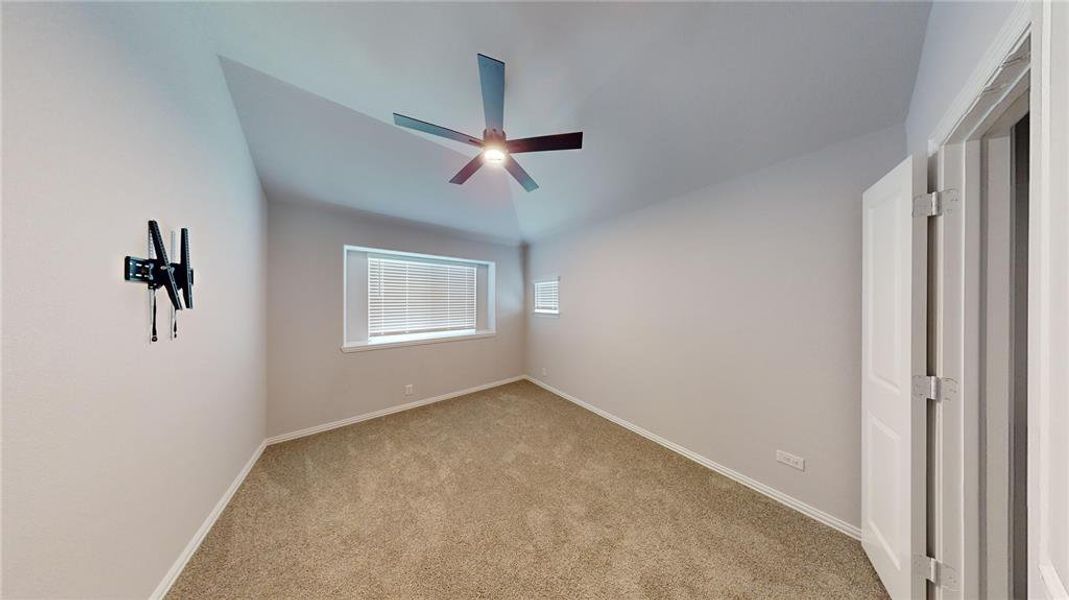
494, 156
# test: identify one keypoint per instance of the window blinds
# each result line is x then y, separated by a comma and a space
547, 296
411, 296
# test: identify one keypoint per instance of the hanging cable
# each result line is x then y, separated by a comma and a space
154, 338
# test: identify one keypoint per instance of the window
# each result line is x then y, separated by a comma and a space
413, 296
402, 298
547, 296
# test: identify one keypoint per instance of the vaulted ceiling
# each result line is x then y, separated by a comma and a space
671, 98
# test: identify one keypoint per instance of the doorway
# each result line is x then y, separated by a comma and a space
944, 336
980, 324
1008, 71
1003, 350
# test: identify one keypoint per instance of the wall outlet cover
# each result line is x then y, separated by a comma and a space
790, 460
408, 389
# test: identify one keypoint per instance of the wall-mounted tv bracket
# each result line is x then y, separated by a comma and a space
183, 276
156, 271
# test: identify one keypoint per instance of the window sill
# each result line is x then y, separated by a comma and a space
547, 313
418, 339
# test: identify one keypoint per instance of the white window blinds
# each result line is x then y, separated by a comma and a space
412, 296
547, 296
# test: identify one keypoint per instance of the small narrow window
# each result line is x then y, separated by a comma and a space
547, 296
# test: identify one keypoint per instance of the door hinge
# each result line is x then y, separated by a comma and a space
936, 204
935, 388
941, 574
928, 567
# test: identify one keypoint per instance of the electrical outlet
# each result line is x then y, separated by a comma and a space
408, 389
790, 460
543, 371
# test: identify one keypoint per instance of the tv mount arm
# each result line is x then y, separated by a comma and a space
159, 272
183, 274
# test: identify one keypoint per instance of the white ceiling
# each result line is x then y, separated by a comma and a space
670, 97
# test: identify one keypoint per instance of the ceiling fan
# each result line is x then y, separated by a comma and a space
496, 148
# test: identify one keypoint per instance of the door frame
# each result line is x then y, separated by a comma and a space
1031, 52
955, 162
1000, 464
1048, 284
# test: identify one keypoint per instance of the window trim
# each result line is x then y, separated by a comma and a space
543, 312
435, 337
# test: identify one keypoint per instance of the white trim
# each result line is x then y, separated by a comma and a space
435, 338
814, 513
198, 537
1008, 38
997, 80
191, 548
441, 257
1048, 302
307, 431
1056, 590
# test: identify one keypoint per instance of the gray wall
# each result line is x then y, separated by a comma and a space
728, 320
958, 35
310, 380
115, 451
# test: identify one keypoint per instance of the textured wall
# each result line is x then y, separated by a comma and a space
728, 320
114, 451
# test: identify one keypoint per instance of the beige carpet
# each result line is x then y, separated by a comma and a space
509, 493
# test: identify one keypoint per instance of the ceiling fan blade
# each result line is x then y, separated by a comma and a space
517, 171
468, 170
492, 79
544, 143
433, 129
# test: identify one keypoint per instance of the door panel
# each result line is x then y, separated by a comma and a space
894, 301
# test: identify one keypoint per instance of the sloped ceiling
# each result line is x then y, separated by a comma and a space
670, 97
309, 149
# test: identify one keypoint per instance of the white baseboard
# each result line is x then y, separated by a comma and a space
205, 527
176, 569
815, 513
191, 548
285, 437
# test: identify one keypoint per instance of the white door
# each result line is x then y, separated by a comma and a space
893, 350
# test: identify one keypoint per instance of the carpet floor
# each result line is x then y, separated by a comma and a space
512, 493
